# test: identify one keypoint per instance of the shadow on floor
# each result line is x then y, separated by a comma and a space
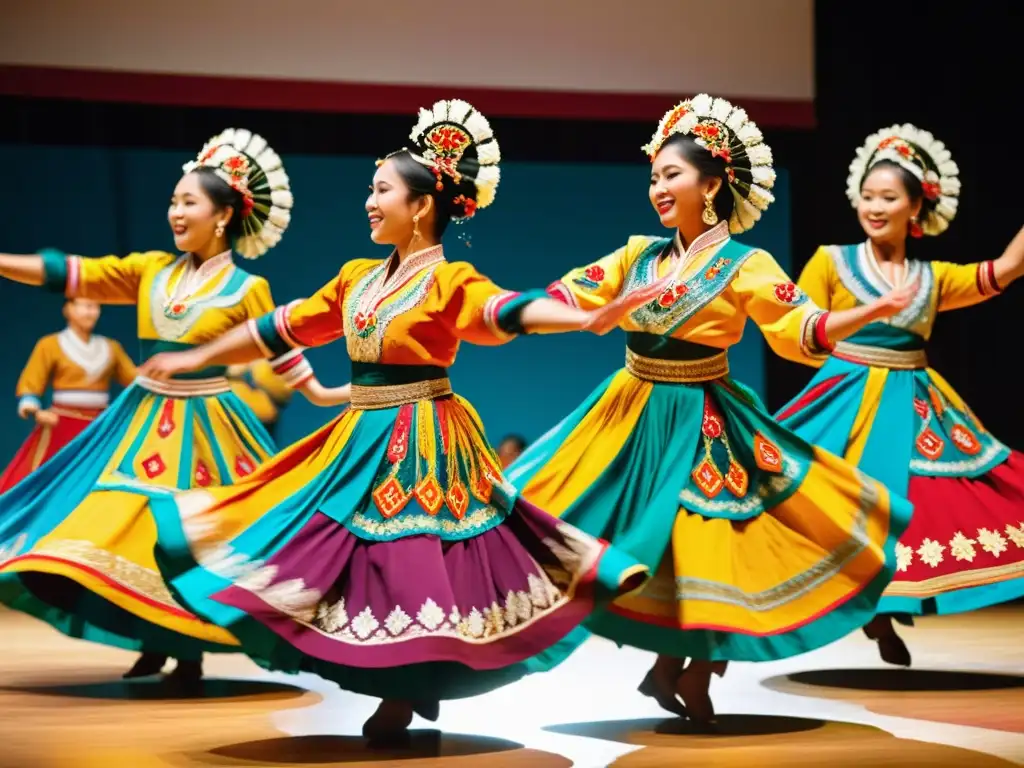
899, 680
421, 745
158, 690
729, 726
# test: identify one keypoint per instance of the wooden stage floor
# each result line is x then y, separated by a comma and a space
62, 704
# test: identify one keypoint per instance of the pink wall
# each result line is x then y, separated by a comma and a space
529, 58
758, 48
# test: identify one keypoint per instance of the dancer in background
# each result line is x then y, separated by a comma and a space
876, 401
510, 449
76, 536
763, 546
79, 366
263, 391
386, 551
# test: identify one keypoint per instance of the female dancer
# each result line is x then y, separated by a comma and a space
80, 367
76, 539
762, 545
386, 551
876, 401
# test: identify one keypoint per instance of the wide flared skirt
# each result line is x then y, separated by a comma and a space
763, 546
77, 537
349, 555
42, 444
964, 548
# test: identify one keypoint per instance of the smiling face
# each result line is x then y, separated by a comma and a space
885, 207
193, 216
391, 207
677, 190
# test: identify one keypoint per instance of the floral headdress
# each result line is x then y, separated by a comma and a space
726, 132
921, 154
452, 139
246, 162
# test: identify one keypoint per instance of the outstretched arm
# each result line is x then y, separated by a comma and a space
22, 269
553, 316
795, 327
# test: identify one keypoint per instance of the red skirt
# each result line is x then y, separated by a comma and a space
44, 442
964, 548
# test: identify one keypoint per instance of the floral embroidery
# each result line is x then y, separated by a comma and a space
962, 548
662, 317
904, 557
715, 269
546, 589
706, 475
788, 293
1016, 534
377, 301
930, 552
991, 541
672, 295
591, 277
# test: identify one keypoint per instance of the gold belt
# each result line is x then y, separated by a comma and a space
896, 359
394, 395
677, 371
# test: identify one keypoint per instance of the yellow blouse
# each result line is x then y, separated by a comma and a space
181, 303
844, 276
417, 316
719, 283
79, 372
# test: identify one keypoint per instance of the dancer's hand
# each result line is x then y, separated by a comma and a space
323, 396
162, 366
46, 418
608, 317
895, 301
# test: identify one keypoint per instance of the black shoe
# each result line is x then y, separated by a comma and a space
147, 664
666, 700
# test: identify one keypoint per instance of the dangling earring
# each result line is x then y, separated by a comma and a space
915, 228
709, 216
219, 231
416, 227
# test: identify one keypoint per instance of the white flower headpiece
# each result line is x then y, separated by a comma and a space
442, 136
246, 162
726, 132
921, 154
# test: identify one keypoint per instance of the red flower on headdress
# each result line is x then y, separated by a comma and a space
675, 117
468, 206
715, 139
931, 189
247, 204
446, 144
209, 153
448, 140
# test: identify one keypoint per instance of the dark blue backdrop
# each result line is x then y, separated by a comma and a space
547, 218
